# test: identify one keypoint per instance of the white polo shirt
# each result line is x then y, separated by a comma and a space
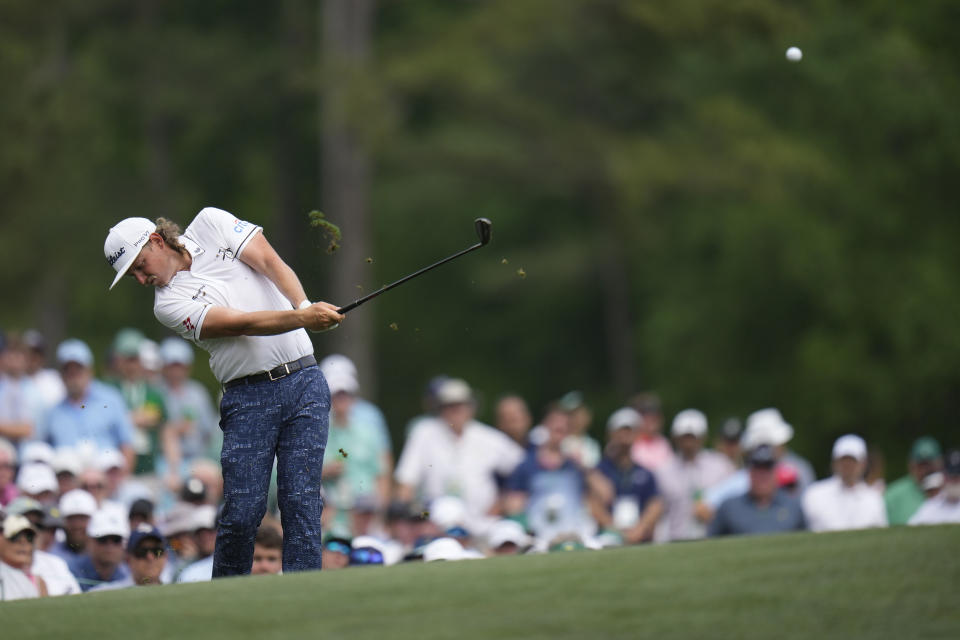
937, 510
218, 278
829, 505
15, 584
438, 462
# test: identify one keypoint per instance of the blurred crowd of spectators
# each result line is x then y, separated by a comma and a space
114, 482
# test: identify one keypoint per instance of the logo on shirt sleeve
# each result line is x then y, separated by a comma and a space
239, 225
189, 325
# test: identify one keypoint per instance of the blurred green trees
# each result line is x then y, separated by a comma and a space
689, 211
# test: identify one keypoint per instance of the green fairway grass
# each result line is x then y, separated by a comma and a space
894, 583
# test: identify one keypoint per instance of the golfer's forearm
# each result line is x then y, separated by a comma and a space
286, 280
227, 323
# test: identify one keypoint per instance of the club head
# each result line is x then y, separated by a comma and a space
484, 229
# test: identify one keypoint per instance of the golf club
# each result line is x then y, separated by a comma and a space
483, 227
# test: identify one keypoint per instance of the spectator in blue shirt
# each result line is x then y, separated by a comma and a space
624, 495
103, 563
91, 412
548, 488
764, 508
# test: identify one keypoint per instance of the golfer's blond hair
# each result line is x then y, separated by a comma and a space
170, 232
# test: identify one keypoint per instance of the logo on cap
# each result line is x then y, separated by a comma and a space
116, 256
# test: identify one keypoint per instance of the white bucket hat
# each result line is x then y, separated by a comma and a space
124, 243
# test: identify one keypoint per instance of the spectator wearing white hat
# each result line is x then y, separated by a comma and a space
624, 495
687, 476
356, 469
191, 431
454, 454
17, 581
361, 409
103, 563
507, 538
53, 569
91, 411
763, 427
944, 507
146, 558
844, 501
38, 481
8, 465
68, 466
76, 509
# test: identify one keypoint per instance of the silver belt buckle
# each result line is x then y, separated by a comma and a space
286, 369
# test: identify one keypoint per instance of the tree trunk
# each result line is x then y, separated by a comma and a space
346, 28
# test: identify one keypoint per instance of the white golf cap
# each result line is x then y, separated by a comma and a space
124, 243
205, 517
108, 522
67, 460
443, 549
110, 459
339, 380
689, 422
765, 426
850, 445
35, 478
77, 503
74, 350
454, 391
448, 511
624, 418
37, 451
504, 531
175, 350
14, 524
338, 362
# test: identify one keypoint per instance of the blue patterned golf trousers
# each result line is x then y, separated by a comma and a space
287, 418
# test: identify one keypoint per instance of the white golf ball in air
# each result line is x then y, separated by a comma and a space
794, 54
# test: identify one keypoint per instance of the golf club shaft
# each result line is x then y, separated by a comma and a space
371, 296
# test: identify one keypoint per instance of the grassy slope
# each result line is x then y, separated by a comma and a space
898, 583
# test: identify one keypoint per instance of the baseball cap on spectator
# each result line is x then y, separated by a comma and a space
142, 508
338, 545
951, 464
443, 549
447, 511
34, 340
766, 426
338, 362
454, 391
762, 456
341, 381
127, 343
731, 429
689, 422
51, 518
850, 446
37, 451
143, 532
124, 242
67, 460
647, 403
23, 505
74, 350
175, 350
110, 459
14, 524
108, 522
925, 448
507, 532
77, 502
624, 418
35, 478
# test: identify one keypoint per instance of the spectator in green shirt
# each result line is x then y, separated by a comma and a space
904, 496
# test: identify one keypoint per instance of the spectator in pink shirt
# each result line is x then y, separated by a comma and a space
650, 449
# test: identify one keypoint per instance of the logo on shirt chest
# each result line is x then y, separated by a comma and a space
225, 254
200, 292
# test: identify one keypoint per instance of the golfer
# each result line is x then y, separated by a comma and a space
221, 285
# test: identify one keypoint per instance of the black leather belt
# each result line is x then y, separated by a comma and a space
276, 373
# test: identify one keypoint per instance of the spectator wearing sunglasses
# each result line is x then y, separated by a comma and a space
53, 569
146, 557
103, 562
16, 556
